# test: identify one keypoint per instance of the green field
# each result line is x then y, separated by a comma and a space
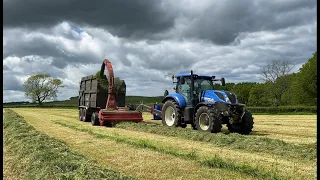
280, 147
72, 104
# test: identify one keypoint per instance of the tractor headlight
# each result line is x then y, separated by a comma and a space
227, 99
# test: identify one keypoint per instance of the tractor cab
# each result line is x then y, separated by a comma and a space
184, 85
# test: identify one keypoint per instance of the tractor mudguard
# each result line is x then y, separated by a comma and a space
178, 98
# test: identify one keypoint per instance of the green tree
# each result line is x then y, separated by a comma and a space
282, 89
258, 95
242, 90
42, 87
304, 86
272, 71
227, 87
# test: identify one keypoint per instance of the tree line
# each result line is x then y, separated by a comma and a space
280, 87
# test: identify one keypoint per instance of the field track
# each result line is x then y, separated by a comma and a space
153, 156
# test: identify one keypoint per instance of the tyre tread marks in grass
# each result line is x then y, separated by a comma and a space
235, 141
212, 162
34, 155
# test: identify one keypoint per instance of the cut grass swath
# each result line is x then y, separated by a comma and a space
34, 155
234, 140
212, 162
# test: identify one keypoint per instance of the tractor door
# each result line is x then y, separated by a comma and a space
184, 89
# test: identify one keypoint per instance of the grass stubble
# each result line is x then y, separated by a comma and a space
142, 163
30, 154
267, 145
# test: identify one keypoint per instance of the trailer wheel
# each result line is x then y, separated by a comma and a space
244, 127
108, 123
85, 116
95, 119
171, 114
183, 125
207, 120
80, 114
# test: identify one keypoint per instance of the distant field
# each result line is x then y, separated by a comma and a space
74, 102
150, 101
280, 147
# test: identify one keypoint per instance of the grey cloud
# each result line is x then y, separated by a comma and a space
31, 65
10, 82
5, 68
123, 17
224, 20
220, 22
262, 30
13, 96
20, 45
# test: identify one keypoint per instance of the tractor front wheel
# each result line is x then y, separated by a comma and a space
208, 120
243, 127
171, 114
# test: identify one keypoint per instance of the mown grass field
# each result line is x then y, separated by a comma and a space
280, 147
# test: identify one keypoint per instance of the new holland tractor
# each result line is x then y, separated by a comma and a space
196, 102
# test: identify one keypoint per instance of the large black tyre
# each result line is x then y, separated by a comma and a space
95, 119
183, 125
244, 127
108, 124
194, 127
80, 114
207, 119
171, 114
85, 115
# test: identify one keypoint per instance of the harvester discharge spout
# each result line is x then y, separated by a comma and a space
111, 114
111, 102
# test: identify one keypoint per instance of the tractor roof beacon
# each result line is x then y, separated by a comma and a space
196, 102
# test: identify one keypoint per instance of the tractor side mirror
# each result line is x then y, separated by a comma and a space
223, 82
166, 92
182, 80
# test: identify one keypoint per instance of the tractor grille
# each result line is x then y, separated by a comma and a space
232, 97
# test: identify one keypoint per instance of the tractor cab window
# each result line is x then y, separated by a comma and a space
203, 84
184, 89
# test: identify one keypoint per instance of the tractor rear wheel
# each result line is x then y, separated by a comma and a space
243, 127
207, 119
171, 114
95, 119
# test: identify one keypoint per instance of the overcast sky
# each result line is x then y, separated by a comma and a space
149, 40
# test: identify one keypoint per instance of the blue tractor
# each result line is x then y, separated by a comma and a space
196, 102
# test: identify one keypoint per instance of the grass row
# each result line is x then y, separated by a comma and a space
285, 110
33, 155
211, 162
233, 140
